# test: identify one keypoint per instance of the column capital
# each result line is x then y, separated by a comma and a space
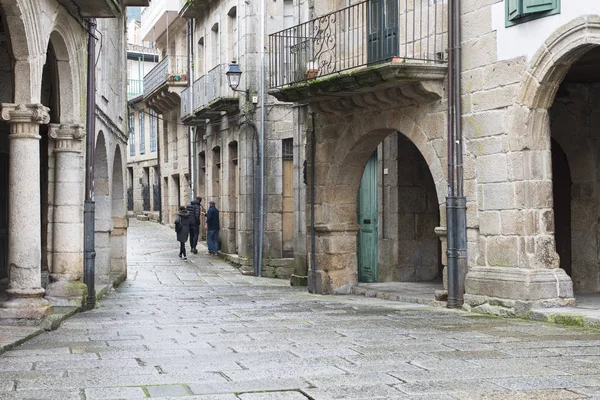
25, 113
67, 136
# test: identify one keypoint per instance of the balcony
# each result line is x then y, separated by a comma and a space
360, 49
212, 96
157, 17
192, 8
93, 8
135, 87
164, 83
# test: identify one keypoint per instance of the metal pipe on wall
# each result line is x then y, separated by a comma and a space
313, 257
89, 214
262, 134
191, 131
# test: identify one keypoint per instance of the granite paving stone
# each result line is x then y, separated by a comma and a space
201, 330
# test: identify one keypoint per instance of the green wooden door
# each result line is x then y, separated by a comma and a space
367, 220
382, 17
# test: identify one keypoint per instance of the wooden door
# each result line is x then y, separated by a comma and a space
382, 41
288, 208
367, 221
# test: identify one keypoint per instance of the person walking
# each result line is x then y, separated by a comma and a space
182, 229
194, 208
212, 228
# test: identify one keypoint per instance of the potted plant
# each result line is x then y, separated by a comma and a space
312, 70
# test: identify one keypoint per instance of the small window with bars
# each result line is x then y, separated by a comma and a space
153, 130
287, 152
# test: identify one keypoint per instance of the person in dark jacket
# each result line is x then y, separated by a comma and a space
212, 228
194, 208
182, 228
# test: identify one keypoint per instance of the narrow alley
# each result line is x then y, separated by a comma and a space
201, 330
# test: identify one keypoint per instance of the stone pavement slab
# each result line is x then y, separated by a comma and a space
201, 330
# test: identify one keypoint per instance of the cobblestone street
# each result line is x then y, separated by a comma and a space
201, 330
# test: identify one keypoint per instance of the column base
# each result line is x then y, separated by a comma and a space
19, 309
514, 291
65, 293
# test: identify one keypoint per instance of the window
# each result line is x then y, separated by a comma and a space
131, 135
153, 131
142, 116
519, 11
287, 147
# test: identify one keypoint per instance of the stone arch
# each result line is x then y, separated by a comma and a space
355, 146
341, 156
552, 61
118, 234
103, 220
69, 67
118, 207
529, 127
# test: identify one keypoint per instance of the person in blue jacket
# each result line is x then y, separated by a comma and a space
212, 228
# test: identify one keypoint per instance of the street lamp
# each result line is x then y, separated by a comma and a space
233, 76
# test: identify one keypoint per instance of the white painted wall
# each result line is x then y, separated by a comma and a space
525, 39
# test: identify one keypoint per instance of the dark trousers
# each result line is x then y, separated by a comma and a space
194, 231
212, 240
182, 249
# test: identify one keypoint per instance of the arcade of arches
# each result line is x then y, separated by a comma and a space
42, 164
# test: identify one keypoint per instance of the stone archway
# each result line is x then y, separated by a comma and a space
118, 235
103, 214
532, 129
341, 155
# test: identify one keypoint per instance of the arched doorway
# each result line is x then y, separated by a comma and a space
398, 212
118, 234
103, 214
409, 175
574, 124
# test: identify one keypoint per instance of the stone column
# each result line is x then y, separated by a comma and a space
65, 287
24, 244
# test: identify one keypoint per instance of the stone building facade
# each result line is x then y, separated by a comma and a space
43, 112
529, 77
162, 94
220, 128
143, 175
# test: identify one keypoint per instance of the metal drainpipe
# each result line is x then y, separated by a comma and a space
461, 200
89, 205
191, 140
256, 199
262, 135
451, 199
313, 258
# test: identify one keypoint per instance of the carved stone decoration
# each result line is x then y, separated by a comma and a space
67, 136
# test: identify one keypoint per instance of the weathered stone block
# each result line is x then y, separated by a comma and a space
498, 196
489, 223
502, 251
492, 168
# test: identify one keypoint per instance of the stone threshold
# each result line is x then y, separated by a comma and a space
12, 336
586, 315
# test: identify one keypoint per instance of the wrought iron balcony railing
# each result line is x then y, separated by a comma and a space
366, 33
207, 88
171, 69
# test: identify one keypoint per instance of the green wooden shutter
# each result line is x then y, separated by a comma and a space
538, 6
513, 9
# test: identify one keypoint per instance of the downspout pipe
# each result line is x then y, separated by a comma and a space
451, 198
313, 258
262, 136
89, 213
461, 200
256, 196
191, 139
